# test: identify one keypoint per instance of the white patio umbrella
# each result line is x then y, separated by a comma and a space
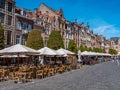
85, 53
12, 56
48, 51
62, 52
18, 49
65, 52
79, 56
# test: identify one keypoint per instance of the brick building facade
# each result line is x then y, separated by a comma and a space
44, 19
7, 19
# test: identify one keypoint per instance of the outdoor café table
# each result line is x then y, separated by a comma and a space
4, 67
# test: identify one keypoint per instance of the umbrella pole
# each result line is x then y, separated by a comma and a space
18, 59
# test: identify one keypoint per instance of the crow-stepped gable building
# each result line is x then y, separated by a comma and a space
19, 22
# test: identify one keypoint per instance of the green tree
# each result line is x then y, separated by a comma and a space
86, 48
112, 51
95, 49
55, 40
1, 37
72, 46
100, 50
81, 48
35, 40
90, 49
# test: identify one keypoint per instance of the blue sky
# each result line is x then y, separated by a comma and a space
102, 15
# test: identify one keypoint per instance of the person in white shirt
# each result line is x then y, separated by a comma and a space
118, 61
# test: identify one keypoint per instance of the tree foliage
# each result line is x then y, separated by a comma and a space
86, 48
90, 49
82, 48
99, 50
1, 37
35, 40
72, 46
55, 40
112, 51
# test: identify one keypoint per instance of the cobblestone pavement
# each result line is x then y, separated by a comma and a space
104, 76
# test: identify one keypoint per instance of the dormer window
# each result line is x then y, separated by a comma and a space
24, 13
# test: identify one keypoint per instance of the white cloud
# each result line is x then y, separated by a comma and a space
101, 27
107, 30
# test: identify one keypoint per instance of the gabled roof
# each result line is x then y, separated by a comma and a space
58, 12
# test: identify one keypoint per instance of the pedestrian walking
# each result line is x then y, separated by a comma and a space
113, 60
118, 61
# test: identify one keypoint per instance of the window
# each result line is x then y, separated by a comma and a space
17, 39
2, 4
18, 25
24, 38
29, 27
9, 7
46, 39
2, 17
8, 37
9, 20
65, 26
61, 15
46, 32
38, 21
47, 12
24, 26
24, 13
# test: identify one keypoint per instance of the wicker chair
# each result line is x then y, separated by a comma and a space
51, 72
5, 74
17, 76
39, 73
30, 75
1, 76
11, 75
45, 72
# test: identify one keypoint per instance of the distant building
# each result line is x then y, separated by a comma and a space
115, 43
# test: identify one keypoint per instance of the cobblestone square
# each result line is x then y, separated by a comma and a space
104, 76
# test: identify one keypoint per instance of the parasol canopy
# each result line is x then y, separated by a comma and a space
48, 51
18, 48
65, 52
